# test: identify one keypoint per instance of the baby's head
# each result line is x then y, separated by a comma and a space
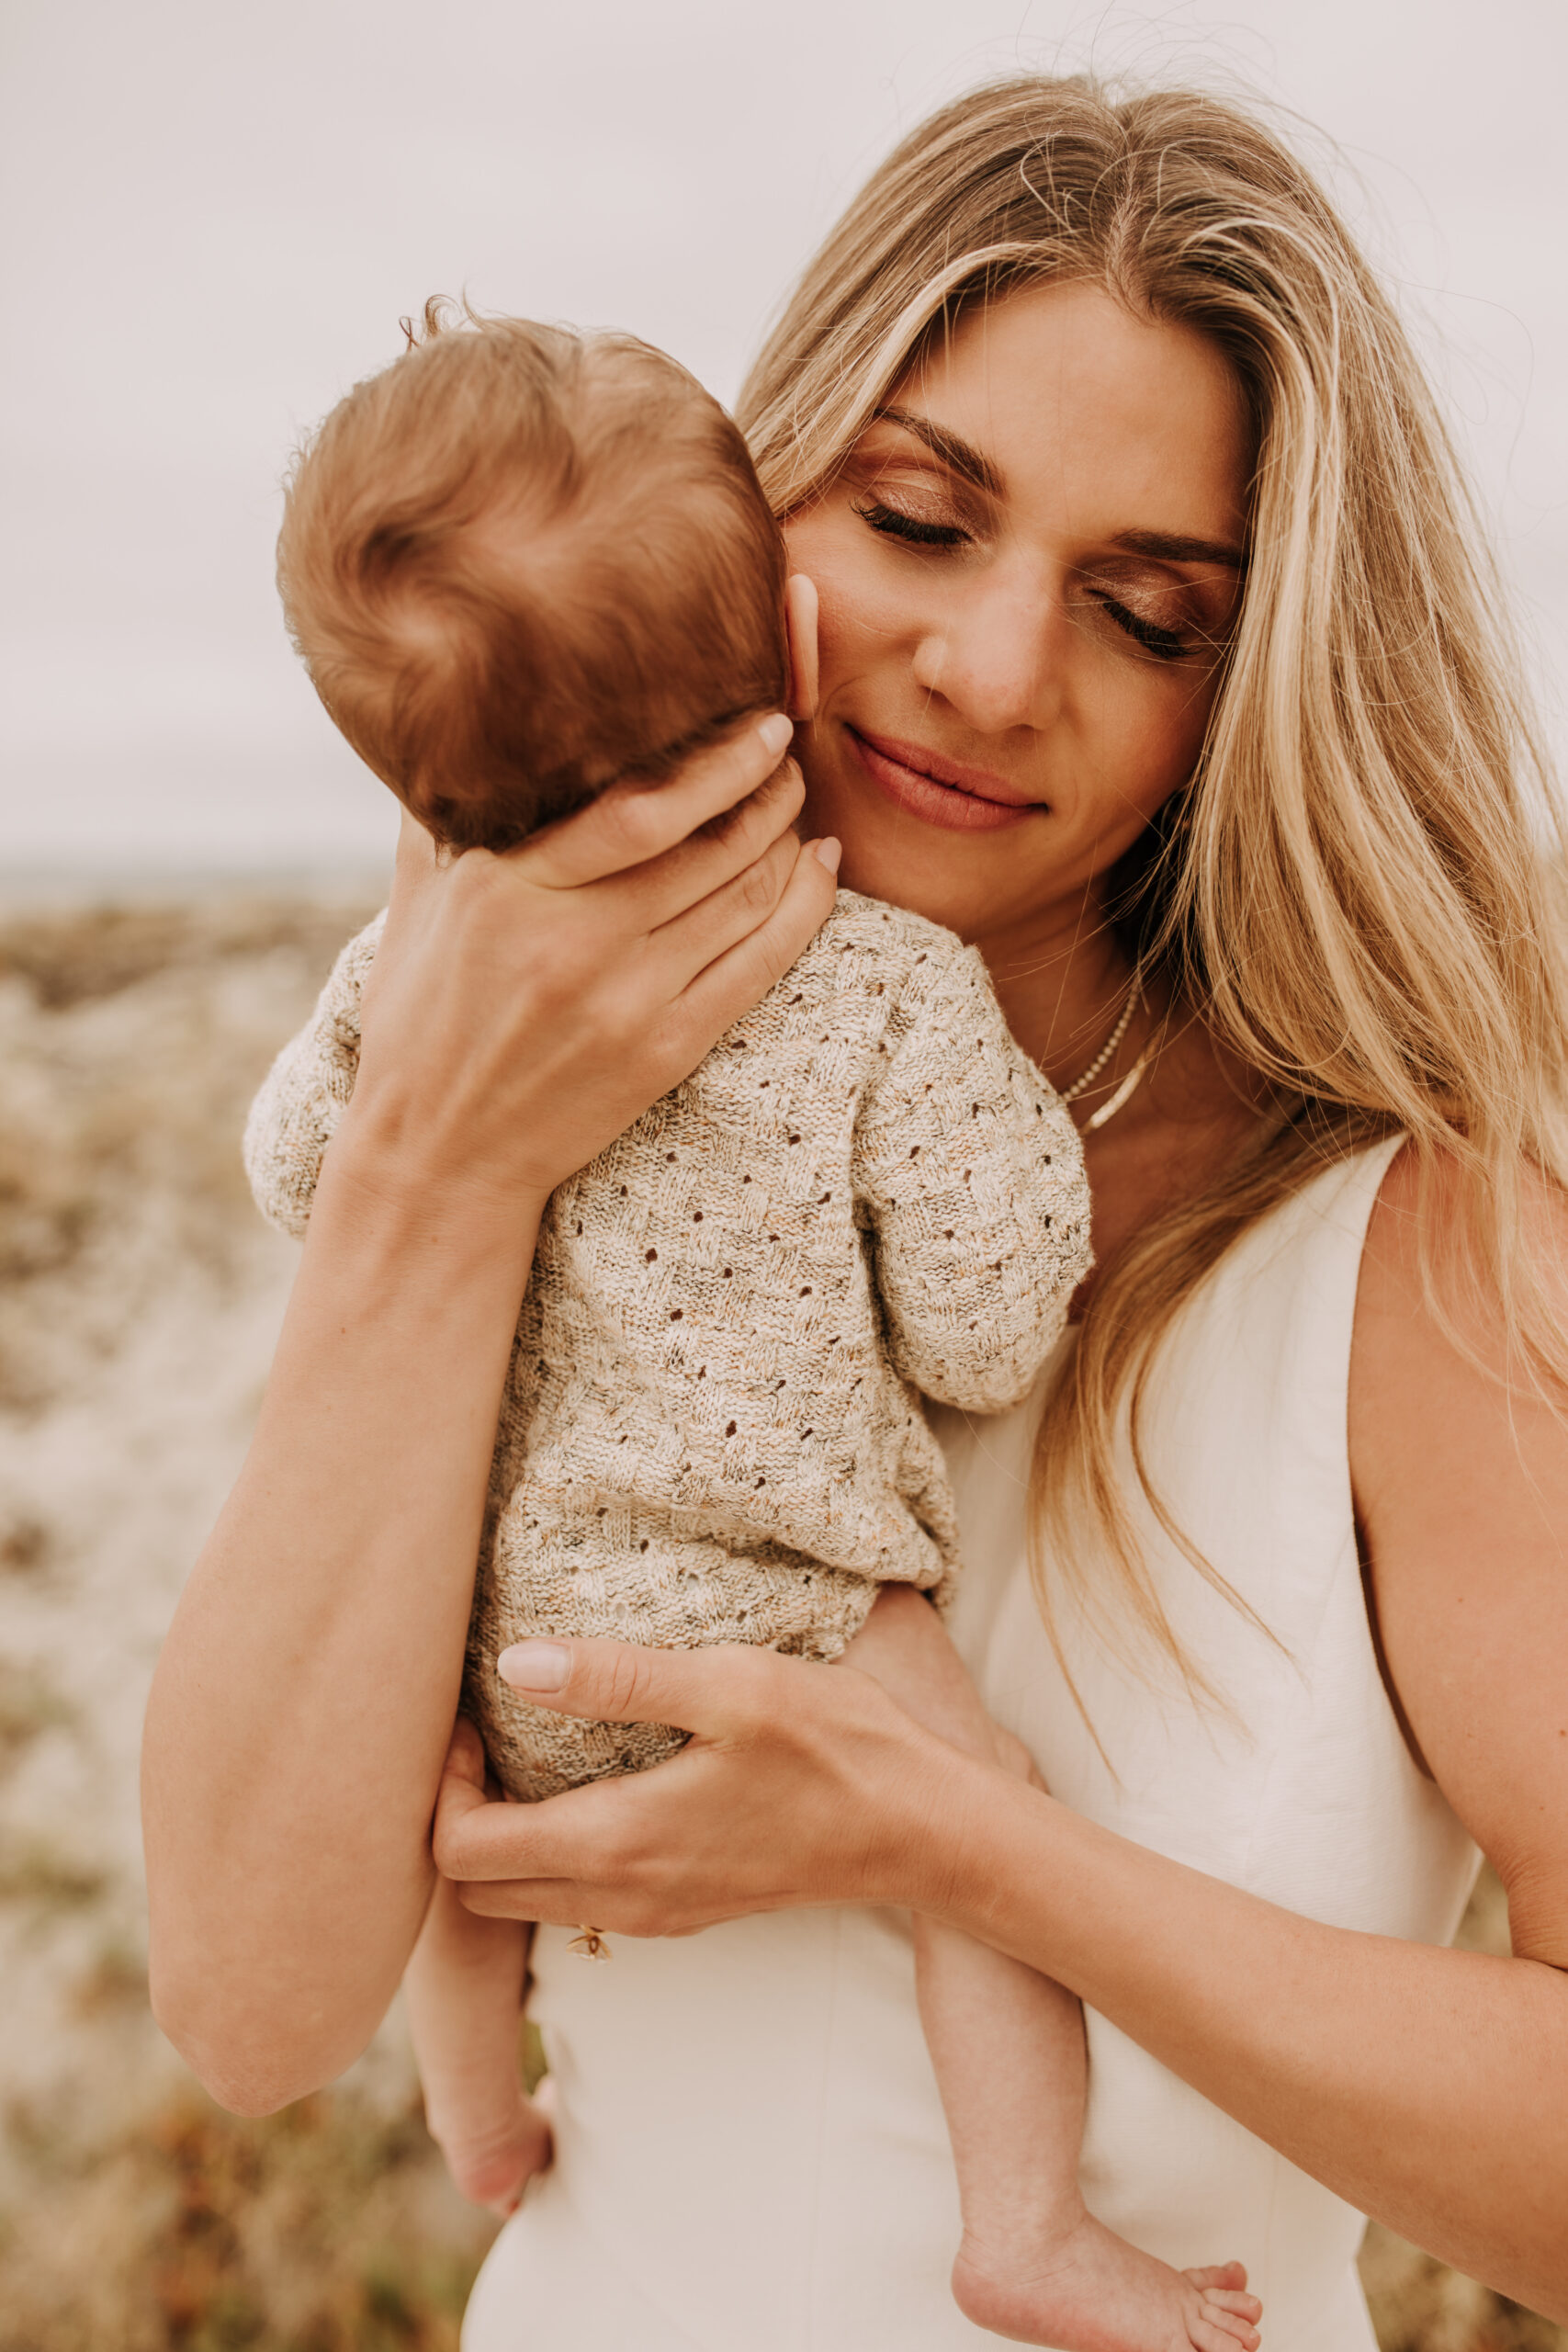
521, 563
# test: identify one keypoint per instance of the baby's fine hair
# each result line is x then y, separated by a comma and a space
523, 562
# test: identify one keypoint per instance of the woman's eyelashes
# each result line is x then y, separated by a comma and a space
1148, 637
1164, 644
1187, 629
894, 523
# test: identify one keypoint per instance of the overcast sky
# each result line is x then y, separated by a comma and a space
214, 214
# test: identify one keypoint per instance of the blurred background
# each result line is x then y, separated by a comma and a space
213, 219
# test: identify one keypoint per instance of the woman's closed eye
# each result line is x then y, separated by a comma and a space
941, 535
895, 523
1169, 620
1164, 644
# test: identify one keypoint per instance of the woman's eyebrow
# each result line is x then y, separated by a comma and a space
1172, 547
1166, 546
954, 451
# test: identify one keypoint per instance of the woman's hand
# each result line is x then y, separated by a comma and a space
801, 1784
523, 1010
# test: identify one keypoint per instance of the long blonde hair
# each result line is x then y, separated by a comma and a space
1356, 888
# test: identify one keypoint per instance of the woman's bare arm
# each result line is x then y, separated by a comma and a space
522, 1012
306, 1691
1461, 1483
1430, 2088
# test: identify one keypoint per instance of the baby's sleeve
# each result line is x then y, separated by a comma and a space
307, 1091
970, 1181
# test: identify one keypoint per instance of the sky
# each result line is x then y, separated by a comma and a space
213, 215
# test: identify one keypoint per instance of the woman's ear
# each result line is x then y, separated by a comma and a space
800, 610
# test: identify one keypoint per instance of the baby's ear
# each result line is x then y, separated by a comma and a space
800, 608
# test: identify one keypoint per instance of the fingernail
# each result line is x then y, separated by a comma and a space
777, 733
830, 852
534, 1666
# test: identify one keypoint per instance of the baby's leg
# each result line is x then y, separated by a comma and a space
1008, 2048
464, 1989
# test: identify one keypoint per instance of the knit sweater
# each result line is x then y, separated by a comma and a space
711, 1429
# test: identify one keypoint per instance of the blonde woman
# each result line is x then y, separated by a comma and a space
1157, 657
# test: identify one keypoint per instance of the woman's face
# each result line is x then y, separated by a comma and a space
1027, 570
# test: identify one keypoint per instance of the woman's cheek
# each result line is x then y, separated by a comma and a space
863, 616
857, 629
1158, 737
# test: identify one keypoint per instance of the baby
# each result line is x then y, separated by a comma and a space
520, 564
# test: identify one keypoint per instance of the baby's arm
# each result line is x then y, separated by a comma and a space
464, 1989
969, 1172
307, 1091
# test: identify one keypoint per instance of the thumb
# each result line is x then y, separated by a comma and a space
800, 615
466, 1755
462, 1784
715, 1693
416, 849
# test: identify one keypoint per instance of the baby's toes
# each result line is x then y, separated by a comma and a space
1220, 2332
1227, 2314
1232, 2275
1218, 2304
1231, 2327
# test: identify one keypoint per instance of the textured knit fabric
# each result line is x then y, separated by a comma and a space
709, 1430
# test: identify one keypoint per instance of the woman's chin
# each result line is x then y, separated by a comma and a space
928, 874
965, 878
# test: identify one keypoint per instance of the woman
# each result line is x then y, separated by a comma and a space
1154, 657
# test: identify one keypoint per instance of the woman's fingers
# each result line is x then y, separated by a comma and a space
586, 1834
724, 919
632, 823
802, 1783
591, 1832
735, 847
716, 1691
567, 1902
729, 984
688, 874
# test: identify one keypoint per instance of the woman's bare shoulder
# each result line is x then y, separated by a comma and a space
1460, 1479
1412, 1284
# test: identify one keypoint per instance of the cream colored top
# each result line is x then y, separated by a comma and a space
753, 2155
710, 1429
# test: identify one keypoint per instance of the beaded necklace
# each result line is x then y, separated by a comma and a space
1123, 1093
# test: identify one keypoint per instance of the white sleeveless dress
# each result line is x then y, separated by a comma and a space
751, 2155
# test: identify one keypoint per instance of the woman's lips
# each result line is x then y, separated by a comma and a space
939, 791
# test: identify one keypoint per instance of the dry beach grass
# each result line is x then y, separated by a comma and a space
140, 1297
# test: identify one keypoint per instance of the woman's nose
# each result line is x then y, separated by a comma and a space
997, 657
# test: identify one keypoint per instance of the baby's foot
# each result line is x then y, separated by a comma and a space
492, 2164
1089, 2290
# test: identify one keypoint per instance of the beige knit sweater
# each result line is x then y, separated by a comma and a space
710, 1429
